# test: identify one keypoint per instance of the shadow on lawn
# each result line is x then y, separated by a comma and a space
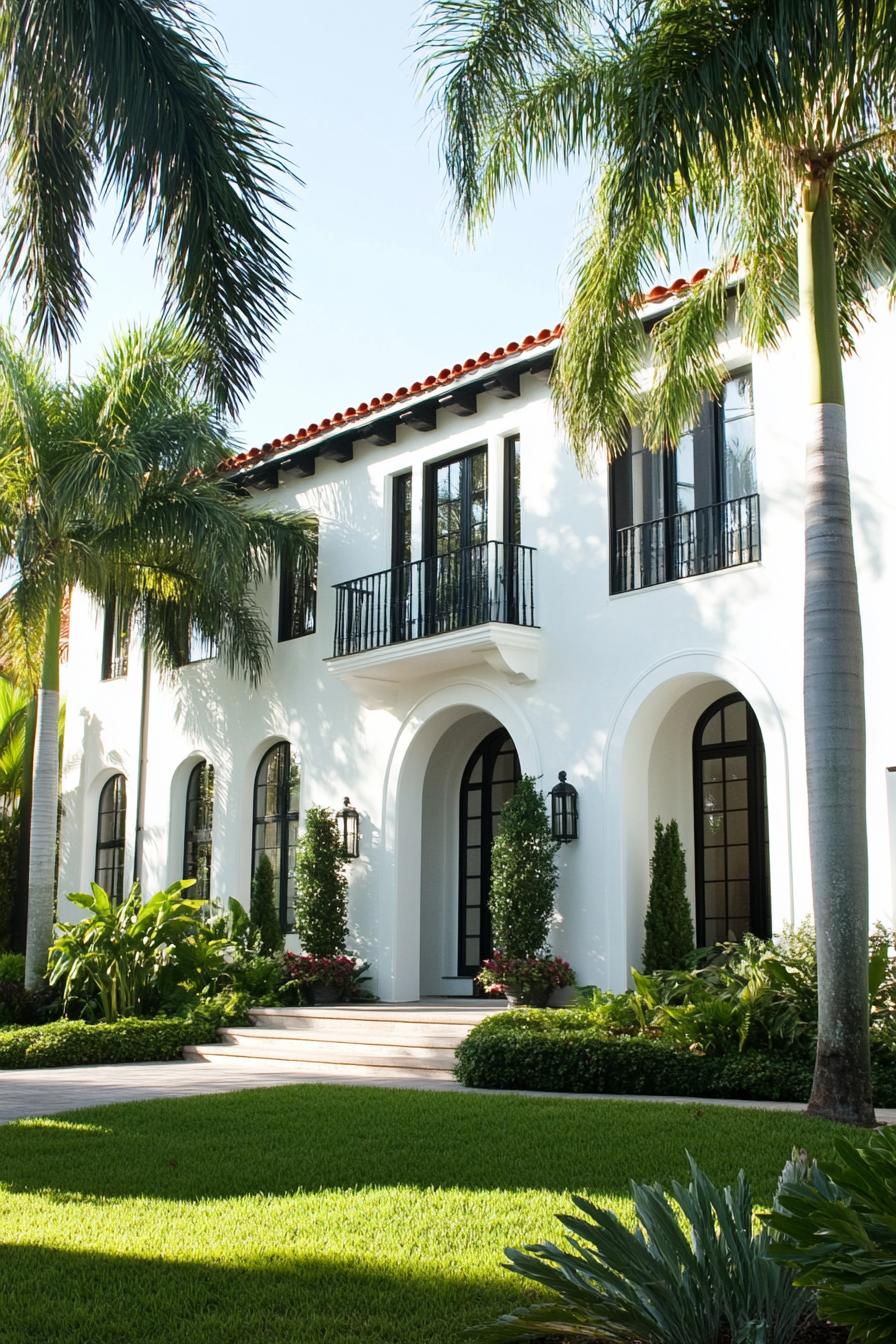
277, 1141
71, 1297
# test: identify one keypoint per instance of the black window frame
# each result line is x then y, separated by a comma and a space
283, 818
194, 803
116, 641
707, 517
429, 498
115, 790
298, 594
753, 748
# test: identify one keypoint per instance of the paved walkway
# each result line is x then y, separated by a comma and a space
32, 1092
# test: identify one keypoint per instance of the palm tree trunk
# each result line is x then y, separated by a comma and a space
834, 696
44, 807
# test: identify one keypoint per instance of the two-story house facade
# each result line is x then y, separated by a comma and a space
483, 610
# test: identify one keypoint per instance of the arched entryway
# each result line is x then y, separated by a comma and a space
488, 782
731, 866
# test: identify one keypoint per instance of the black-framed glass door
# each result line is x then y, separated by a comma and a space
489, 781
455, 532
731, 816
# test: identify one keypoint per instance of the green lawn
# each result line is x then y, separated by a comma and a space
323, 1215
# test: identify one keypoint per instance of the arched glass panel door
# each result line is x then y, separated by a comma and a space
198, 829
275, 823
110, 824
489, 780
731, 812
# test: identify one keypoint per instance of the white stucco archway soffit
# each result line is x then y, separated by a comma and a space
634, 727
423, 726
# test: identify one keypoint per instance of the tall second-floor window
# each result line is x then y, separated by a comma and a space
116, 636
693, 508
298, 599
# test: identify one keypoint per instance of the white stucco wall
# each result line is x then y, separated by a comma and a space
620, 684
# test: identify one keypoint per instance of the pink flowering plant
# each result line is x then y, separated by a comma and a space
525, 976
305, 969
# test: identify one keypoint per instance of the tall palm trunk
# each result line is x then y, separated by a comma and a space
23, 866
834, 696
44, 807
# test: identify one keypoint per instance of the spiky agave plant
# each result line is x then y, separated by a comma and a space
693, 1271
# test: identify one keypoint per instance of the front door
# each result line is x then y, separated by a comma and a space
489, 780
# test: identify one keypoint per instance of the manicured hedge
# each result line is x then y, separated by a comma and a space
128, 1041
557, 1051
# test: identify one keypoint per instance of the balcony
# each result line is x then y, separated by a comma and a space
447, 611
718, 536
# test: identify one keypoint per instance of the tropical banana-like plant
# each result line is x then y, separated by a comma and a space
694, 1271
128, 952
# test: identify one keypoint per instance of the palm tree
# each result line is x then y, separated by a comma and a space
768, 128
128, 98
111, 486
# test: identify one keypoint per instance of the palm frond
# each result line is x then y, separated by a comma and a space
134, 87
474, 58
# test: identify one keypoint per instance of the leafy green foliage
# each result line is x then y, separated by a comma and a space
524, 875
562, 1050
12, 967
126, 1041
132, 955
837, 1232
668, 927
103, 93
663, 1283
264, 916
9, 873
758, 993
321, 915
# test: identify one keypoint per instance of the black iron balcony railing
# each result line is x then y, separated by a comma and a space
718, 536
493, 581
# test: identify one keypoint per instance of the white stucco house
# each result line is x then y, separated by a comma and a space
482, 610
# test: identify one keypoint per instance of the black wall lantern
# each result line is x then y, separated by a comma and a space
564, 811
347, 816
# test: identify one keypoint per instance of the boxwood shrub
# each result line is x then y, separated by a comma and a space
127, 1041
560, 1051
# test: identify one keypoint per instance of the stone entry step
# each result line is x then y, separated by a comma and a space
416, 1040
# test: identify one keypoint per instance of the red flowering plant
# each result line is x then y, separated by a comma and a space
529, 979
342, 972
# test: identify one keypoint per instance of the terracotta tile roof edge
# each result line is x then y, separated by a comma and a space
341, 420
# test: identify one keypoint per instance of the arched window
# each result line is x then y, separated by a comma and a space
109, 870
731, 812
275, 822
489, 781
198, 829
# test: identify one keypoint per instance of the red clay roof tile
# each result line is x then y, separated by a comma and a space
658, 294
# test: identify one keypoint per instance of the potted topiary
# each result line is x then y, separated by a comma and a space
521, 902
323, 968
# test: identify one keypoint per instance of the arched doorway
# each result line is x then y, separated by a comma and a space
488, 782
731, 824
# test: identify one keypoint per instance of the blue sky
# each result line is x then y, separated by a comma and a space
386, 291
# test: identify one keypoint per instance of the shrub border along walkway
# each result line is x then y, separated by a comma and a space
126, 1041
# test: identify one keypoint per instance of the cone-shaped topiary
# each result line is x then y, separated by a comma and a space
263, 915
321, 886
668, 927
524, 878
